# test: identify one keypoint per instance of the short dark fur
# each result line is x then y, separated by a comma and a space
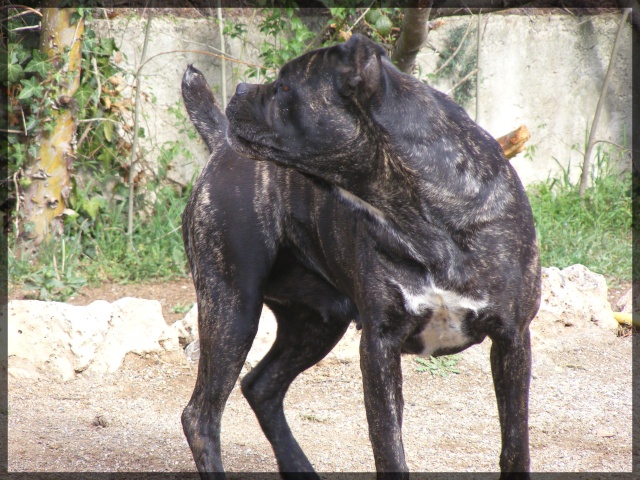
378, 197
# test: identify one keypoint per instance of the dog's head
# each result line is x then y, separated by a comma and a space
314, 113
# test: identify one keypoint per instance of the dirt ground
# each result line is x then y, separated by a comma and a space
580, 420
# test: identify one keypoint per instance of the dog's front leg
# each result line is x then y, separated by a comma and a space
382, 382
511, 369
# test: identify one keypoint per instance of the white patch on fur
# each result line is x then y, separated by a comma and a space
204, 200
430, 297
360, 204
449, 308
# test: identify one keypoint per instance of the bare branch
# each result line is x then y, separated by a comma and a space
448, 8
20, 29
466, 77
97, 74
203, 52
136, 121
26, 12
586, 165
452, 56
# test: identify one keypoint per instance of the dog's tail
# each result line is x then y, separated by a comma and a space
202, 108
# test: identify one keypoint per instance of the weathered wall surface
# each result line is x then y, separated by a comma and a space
543, 71
546, 72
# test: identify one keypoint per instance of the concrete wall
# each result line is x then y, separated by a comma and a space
543, 71
546, 72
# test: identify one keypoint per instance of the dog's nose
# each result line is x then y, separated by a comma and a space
242, 88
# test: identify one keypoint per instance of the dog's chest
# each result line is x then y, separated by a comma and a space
444, 313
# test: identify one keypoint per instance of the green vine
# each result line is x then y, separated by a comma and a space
287, 36
33, 95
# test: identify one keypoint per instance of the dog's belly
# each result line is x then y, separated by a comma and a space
447, 318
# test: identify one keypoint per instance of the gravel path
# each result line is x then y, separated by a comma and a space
130, 421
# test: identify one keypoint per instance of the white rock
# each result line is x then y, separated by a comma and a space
572, 297
21, 368
625, 302
348, 348
187, 328
65, 339
267, 330
266, 335
135, 326
56, 337
588, 282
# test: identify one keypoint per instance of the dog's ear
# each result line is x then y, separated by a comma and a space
364, 68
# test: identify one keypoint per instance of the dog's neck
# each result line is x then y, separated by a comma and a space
397, 195
389, 194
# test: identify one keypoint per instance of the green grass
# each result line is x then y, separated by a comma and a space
94, 251
182, 308
438, 366
595, 230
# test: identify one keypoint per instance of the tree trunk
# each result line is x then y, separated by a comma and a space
46, 197
413, 36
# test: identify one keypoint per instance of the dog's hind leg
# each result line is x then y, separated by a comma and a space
227, 329
304, 338
511, 369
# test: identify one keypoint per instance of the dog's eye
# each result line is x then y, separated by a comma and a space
281, 86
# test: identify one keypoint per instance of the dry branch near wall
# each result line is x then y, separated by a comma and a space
513, 143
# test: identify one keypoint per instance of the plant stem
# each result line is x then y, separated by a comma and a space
223, 73
413, 35
136, 121
586, 165
466, 77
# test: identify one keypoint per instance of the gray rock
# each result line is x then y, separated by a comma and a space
625, 302
192, 351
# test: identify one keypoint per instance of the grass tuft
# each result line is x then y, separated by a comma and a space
595, 230
438, 366
95, 250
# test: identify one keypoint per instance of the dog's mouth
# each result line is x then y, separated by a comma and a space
241, 144
256, 148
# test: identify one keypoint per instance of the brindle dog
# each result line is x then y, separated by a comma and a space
347, 190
